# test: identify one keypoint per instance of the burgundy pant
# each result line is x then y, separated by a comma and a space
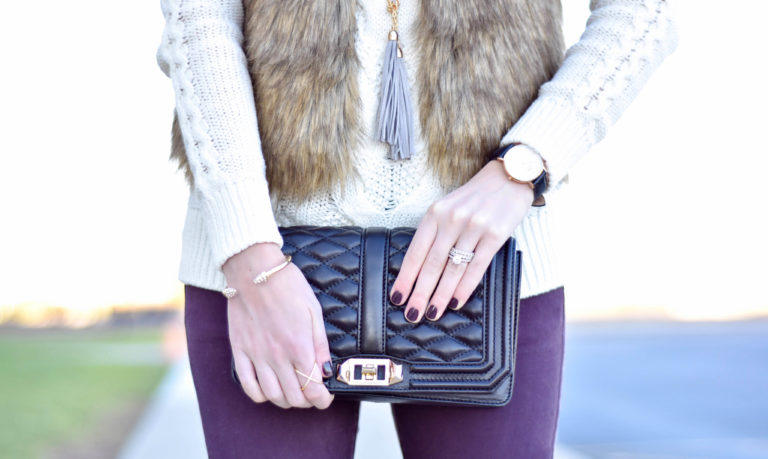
236, 427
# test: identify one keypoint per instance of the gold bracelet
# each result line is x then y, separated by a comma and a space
264, 275
230, 292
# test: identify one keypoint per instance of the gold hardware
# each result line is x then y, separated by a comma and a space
370, 372
392, 7
264, 275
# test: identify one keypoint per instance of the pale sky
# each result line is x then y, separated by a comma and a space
666, 216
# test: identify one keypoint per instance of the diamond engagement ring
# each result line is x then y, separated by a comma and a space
460, 256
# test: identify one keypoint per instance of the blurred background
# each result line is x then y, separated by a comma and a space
662, 240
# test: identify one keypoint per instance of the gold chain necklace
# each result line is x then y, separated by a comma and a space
392, 7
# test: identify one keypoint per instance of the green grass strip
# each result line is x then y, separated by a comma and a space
55, 385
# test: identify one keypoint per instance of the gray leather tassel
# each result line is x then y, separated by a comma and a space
395, 109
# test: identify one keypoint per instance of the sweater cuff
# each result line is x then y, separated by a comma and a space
239, 215
557, 131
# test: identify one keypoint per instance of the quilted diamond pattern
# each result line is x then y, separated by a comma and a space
329, 257
456, 337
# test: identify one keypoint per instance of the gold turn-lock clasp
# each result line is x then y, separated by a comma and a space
369, 372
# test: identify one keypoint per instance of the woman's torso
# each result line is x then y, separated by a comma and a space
386, 193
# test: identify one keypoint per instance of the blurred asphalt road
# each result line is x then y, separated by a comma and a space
666, 390
641, 391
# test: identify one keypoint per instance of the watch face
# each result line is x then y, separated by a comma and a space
523, 164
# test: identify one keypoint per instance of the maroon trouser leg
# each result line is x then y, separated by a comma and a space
236, 427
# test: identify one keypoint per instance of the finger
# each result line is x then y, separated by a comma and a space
320, 340
444, 295
430, 273
247, 376
317, 394
291, 383
314, 390
484, 253
414, 258
270, 387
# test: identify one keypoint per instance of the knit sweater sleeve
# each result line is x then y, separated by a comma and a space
624, 42
202, 53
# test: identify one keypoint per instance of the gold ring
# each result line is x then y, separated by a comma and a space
309, 376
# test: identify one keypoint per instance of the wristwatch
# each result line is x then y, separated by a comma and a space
524, 165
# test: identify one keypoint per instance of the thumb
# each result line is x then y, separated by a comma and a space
320, 340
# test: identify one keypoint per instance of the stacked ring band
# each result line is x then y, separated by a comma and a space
458, 256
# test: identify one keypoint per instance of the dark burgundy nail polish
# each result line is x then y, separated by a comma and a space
327, 370
397, 297
431, 312
453, 304
412, 314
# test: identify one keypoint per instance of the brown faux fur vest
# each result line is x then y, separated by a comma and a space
482, 62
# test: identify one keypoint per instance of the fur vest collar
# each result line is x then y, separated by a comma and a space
482, 62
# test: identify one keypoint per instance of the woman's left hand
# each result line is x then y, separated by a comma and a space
479, 216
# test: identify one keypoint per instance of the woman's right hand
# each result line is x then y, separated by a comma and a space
274, 327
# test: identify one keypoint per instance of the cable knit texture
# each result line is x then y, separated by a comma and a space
230, 208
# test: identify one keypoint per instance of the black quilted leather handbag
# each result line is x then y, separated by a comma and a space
464, 358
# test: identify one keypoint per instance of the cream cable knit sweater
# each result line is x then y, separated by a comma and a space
230, 207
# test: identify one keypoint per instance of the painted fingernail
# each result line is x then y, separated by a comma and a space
431, 312
397, 297
327, 370
453, 304
412, 314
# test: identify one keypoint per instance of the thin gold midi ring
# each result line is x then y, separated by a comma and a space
309, 376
